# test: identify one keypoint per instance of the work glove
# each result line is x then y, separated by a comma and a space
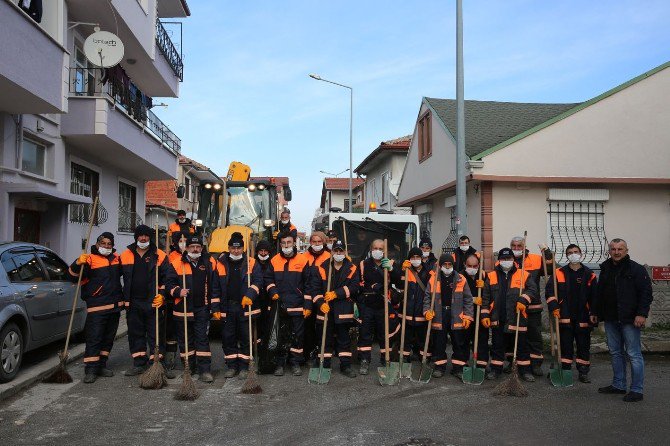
216, 315
275, 296
330, 295
466, 323
486, 322
430, 314
479, 283
325, 308
556, 313
386, 264
406, 265
246, 302
521, 308
306, 313
477, 300
158, 301
275, 234
82, 259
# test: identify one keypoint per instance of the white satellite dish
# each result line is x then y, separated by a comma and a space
103, 49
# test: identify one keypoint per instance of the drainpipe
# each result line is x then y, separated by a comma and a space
19, 140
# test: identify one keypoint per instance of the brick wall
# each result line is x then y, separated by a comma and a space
162, 193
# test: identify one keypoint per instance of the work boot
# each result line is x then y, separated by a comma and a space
438, 373
296, 370
633, 397
135, 371
90, 378
170, 360
170, 374
507, 368
458, 373
206, 377
348, 372
230, 373
105, 372
528, 377
492, 375
611, 390
243, 374
279, 371
583, 377
537, 370
365, 367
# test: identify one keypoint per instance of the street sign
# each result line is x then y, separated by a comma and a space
660, 273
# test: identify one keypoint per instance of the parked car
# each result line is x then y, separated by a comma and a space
35, 302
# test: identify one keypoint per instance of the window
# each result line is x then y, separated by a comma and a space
347, 208
84, 182
187, 187
450, 243
385, 187
128, 219
425, 137
22, 267
56, 268
33, 157
372, 191
581, 223
83, 76
425, 223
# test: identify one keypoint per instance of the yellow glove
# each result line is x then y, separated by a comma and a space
216, 315
306, 313
486, 322
325, 308
466, 323
82, 259
330, 295
479, 283
556, 313
158, 301
406, 264
246, 302
275, 234
477, 301
275, 296
521, 308
430, 314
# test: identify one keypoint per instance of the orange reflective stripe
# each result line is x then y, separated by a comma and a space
345, 354
457, 362
92, 358
203, 354
138, 354
104, 353
496, 362
346, 316
523, 362
100, 308
560, 276
364, 349
441, 362
564, 321
583, 362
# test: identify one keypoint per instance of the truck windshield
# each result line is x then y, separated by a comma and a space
401, 237
248, 208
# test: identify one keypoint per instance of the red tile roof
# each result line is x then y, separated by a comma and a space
394, 145
341, 183
278, 181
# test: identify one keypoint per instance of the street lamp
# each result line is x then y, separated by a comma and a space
333, 174
351, 135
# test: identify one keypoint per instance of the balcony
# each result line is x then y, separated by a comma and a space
32, 64
110, 118
168, 49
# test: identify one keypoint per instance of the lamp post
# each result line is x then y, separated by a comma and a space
461, 193
351, 135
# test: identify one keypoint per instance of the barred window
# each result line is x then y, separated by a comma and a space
425, 223
451, 241
581, 223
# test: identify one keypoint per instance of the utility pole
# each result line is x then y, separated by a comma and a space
461, 199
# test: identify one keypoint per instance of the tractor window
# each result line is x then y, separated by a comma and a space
248, 208
401, 237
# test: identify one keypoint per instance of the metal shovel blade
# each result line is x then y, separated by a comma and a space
473, 375
405, 370
421, 373
561, 378
389, 375
319, 375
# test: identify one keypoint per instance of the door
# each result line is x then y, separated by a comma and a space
30, 283
62, 290
26, 226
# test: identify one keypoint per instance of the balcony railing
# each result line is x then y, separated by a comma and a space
109, 83
169, 51
128, 220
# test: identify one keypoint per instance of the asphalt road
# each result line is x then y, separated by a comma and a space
346, 411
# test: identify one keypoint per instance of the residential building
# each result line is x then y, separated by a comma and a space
283, 189
567, 173
383, 169
335, 193
71, 131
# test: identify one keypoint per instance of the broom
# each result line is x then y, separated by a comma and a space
187, 391
512, 386
251, 385
154, 377
60, 375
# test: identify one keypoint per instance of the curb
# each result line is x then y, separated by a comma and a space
37, 372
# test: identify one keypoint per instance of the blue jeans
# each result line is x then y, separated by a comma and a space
625, 338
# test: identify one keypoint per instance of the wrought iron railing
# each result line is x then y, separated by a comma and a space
81, 214
581, 223
128, 220
98, 82
168, 49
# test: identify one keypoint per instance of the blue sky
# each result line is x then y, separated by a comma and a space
246, 94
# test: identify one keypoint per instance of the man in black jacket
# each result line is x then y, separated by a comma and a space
624, 298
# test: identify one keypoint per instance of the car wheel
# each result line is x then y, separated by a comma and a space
11, 352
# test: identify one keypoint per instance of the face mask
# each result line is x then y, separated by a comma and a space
329, 245
471, 271
235, 258
143, 245
506, 264
182, 246
285, 222
288, 252
464, 247
194, 255
517, 253
377, 254
263, 258
415, 262
447, 271
575, 258
338, 257
105, 251
425, 254
182, 220
317, 248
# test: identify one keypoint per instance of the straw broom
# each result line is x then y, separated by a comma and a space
187, 391
251, 385
154, 377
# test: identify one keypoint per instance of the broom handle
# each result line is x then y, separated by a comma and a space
344, 231
168, 236
558, 334
479, 309
81, 272
183, 279
325, 316
387, 354
156, 356
404, 316
518, 313
551, 325
251, 352
432, 306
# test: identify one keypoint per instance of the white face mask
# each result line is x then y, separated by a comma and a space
464, 247
194, 255
329, 245
415, 262
182, 246
317, 248
285, 222
517, 253
181, 220
377, 254
472, 271
338, 257
143, 245
263, 258
447, 271
425, 254
506, 265
288, 252
575, 258
105, 251
235, 258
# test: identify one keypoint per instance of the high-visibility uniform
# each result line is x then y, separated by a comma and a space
169, 322
312, 338
533, 265
101, 290
483, 344
576, 300
139, 290
186, 227
415, 322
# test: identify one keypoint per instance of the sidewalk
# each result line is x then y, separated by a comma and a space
32, 374
654, 341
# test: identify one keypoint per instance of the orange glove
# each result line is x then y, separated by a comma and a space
466, 323
275, 296
216, 315
406, 264
246, 302
325, 308
479, 283
521, 308
82, 259
430, 314
306, 313
556, 313
330, 295
158, 301
486, 322
477, 301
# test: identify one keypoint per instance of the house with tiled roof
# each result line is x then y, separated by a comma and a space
335, 193
579, 173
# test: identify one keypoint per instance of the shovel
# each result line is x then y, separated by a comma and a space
404, 368
551, 325
423, 372
321, 374
558, 376
390, 373
472, 374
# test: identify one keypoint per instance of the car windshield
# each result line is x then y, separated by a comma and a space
401, 237
248, 208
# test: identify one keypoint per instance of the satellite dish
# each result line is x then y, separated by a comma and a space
103, 49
